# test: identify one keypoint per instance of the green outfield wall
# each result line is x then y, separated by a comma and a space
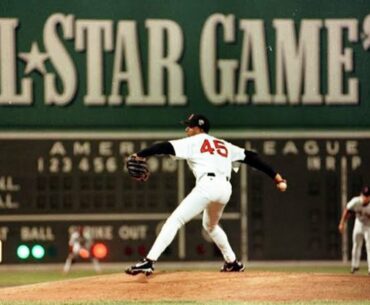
146, 64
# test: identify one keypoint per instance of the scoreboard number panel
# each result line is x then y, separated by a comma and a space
51, 182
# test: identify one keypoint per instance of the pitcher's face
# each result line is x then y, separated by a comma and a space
191, 131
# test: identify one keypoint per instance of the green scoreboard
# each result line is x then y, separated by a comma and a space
53, 182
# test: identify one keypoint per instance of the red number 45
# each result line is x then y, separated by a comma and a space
218, 146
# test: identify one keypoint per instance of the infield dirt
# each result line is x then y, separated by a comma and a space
207, 286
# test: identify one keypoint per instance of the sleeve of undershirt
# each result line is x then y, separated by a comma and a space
162, 148
252, 159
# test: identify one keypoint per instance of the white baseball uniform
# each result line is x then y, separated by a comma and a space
361, 230
80, 240
210, 159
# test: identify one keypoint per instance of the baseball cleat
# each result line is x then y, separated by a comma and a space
145, 266
235, 266
354, 269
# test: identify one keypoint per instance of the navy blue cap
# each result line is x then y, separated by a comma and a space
197, 120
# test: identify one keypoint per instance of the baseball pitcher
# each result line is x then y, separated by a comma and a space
210, 160
360, 206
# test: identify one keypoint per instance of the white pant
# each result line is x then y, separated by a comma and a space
360, 232
210, 195
75, 253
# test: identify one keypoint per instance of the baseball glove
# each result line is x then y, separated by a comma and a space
137, 168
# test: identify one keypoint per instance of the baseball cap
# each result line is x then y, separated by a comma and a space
197, 120
365, 191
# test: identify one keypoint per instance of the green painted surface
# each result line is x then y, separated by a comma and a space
190, 19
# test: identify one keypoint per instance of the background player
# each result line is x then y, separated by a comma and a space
210, 159
80, 243
361, 229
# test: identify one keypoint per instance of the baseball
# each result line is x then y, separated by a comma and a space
282, 186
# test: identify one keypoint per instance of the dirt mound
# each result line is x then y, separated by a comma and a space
248, 286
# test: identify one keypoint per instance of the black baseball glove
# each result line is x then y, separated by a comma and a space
137, 168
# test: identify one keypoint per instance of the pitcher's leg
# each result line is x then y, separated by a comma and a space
190, 207
211, 217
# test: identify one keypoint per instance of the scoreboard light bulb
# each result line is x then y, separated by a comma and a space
201, 250
38, 251
52, 251
142, 250
23, 252
99, 250
128, 251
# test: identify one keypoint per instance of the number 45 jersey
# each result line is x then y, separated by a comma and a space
207, 154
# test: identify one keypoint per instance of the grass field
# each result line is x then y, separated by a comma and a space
188, 303
185, 303
15, 277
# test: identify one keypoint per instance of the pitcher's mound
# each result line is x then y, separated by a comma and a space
199, 286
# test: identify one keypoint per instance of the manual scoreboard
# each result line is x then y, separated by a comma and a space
53, 182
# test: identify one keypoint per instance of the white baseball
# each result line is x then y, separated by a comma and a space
282, 186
